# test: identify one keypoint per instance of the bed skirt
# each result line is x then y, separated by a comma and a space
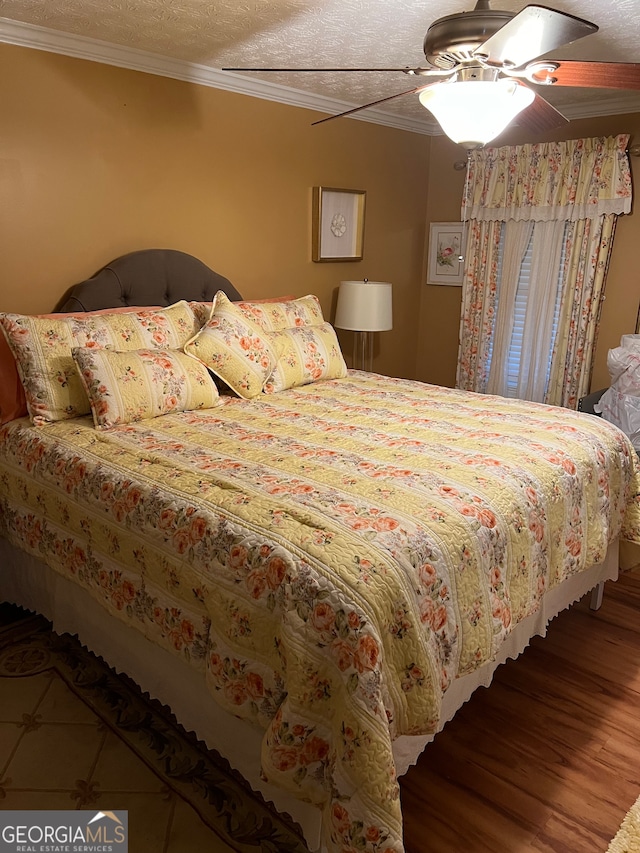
28, 582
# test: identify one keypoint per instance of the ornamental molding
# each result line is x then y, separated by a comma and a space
94, 50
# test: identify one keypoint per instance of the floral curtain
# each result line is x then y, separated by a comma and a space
589, 245
479, 304
570, 180
586, 182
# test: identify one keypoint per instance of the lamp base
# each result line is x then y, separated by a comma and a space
363, 351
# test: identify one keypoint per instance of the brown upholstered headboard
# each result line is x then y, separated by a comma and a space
147, 277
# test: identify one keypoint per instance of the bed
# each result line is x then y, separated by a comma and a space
314, 567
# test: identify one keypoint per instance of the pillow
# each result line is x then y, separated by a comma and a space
202, 310
13, 403
305, 354
273, 316
132, 386
234, 347
42, 350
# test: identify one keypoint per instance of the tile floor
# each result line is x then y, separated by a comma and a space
55, 753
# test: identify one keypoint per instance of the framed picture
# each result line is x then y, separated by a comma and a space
338, 224
445, 247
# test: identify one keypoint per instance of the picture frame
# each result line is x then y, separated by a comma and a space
338, 224
445, 245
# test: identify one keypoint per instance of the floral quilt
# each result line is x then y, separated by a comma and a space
330, 557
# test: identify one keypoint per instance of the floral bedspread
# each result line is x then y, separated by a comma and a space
330, 557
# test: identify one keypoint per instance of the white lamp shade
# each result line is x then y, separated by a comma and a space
473, 112
364, 306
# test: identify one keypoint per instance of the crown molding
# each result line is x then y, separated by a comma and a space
595, 107
94, 50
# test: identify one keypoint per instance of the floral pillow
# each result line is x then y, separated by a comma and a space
202, 310
13, 403
305, 354
273, 316
235, 348
42, 348
132, 386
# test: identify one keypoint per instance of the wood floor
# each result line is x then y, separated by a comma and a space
547, 760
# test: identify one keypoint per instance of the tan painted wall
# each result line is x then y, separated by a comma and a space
440, 306
96, 161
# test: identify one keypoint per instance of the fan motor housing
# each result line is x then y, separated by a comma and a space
453, 39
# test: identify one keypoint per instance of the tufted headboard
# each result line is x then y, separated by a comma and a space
147, 277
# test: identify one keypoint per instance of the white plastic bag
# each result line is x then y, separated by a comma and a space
630, 341
623, 410
620, 404
624, 368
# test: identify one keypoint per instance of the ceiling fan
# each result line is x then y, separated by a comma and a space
484, 63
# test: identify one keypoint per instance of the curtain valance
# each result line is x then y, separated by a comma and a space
570, 180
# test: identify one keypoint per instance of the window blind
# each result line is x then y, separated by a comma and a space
520, 310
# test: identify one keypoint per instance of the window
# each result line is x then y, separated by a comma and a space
523, 298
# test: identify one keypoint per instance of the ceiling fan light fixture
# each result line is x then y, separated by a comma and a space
473, 112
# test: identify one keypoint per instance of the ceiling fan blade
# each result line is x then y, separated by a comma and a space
591, 75
531, 33
540, 116
373, 103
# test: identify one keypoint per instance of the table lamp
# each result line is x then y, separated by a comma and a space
364, 307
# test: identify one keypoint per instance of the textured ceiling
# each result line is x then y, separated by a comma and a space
334, 33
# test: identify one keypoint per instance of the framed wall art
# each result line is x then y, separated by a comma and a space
445, 246
338, 224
